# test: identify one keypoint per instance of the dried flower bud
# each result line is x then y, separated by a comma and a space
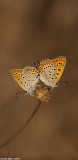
42, 93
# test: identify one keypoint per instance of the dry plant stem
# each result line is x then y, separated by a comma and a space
25, 125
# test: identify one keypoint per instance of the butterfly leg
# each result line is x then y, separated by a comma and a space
61, 83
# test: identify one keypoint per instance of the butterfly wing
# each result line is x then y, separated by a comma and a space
60, 63
47, 70
26, 78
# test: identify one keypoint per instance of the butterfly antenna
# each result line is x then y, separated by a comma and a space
37, 65
62, 83
65, 83
20, 130
20, 92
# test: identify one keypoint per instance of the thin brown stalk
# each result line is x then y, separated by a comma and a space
20, 130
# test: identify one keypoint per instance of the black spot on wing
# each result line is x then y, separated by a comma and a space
21, 82
59, 69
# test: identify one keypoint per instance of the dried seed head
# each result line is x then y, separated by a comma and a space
42, 93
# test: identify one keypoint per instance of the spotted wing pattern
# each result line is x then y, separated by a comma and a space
47, 71
26, 78
60, 63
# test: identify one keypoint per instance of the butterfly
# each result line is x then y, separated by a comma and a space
26, 78
51, 70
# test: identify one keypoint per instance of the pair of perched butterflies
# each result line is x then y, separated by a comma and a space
49, 71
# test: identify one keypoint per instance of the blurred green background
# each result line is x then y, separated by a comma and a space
32, 30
